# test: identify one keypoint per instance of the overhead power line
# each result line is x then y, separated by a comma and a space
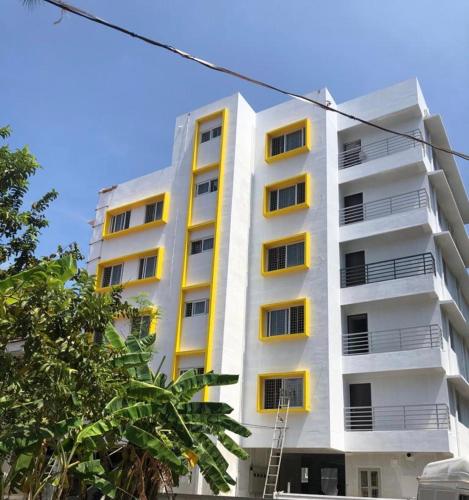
91, 17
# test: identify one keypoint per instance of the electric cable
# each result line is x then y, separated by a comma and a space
91, 17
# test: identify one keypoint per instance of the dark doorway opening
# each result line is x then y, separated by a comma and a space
361, 416
312, 474
357, 339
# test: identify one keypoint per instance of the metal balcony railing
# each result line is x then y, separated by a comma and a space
378, 149
397, 418
398, 339
403, 267
384, 207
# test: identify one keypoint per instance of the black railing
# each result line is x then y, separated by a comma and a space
403, 267
383, 207
397, 339
397, 418
384, 147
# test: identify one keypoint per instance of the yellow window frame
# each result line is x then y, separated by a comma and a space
296, 238
164, 197
304, 374
159, 252
264, 309
287, 129
283, 184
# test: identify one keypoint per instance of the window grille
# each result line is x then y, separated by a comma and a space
285, 321
285, 256
287, 387
205, 187
203, 245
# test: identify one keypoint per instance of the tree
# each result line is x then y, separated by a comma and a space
19, 228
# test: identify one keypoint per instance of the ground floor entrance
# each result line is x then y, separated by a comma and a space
313, 474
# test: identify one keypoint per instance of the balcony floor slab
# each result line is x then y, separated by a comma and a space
397, 361
392, 289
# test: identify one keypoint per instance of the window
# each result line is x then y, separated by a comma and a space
119, 222
210, 134
287, 142
203, 245
112, 275
287, 197
140, 327
286, 256
147, 267
206, 187
286, 321
291, 388
153, 211
369, 483
198, 370
196, 308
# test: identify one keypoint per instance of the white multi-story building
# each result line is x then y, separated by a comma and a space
311, 254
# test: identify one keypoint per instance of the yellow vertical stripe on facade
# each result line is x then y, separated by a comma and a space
214, 271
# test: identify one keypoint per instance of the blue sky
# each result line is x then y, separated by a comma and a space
98, 108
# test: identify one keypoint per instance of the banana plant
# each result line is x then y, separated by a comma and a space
157, 433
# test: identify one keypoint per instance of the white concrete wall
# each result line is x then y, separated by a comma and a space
242, 289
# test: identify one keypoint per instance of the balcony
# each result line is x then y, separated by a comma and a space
397, 418
398, 339
374, 150
384, 207
403, 267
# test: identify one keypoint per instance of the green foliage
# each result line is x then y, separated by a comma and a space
68, 404
76, 413
19, 228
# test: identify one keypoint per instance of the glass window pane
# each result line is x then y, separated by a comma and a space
208, 244
273, 200
116, 274
213, 185
159, 210
188, 311
277, 145
374, 477
106, 281
363, 478
300, 193
150, 267
202, 188
286, 197
199, 307
150, 211
196, 247
205, 136
278, 321
295, 254
295, 140
216, 132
